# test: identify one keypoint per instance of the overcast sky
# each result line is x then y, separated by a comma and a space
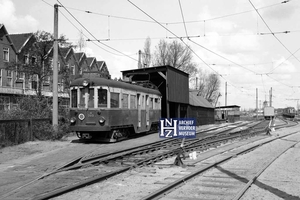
228, 37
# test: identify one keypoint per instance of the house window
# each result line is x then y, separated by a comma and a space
9, 78
26, 59
72, 69
4, 103
61, 86
5, 54
33, 60
33, 79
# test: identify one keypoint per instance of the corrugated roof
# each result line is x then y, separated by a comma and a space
198, 100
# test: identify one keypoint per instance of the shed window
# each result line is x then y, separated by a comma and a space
114, 100
102, 98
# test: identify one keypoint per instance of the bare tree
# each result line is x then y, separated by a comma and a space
147, 53
209, 86
176, 55
81, 43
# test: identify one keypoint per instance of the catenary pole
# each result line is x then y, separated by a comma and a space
55, 70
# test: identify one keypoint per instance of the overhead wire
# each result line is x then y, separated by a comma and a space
182, 42
80, 30
183, 18
271, 30
92, 34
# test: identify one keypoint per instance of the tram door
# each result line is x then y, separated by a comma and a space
139, 108
147, 110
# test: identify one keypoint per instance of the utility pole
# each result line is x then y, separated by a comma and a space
55, 71
140, 57
256, 103
271, 97
225, 93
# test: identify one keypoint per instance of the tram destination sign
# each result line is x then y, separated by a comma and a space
177, 128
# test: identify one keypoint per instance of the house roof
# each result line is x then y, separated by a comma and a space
2, 27
20, 40
65, 51
79, 56
199, 101
90, 60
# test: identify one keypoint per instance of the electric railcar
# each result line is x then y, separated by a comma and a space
110, 110
289, 112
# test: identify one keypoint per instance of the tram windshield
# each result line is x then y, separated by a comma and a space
102, 98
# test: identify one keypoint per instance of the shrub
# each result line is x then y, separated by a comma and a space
39, 107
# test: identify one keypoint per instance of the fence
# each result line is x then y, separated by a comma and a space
18, 131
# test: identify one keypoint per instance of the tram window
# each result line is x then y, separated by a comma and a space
157, 104
125, 101
91, 98
74, 98
143, 102
102, 98
114, 100
82, 98
151, 103
132, 102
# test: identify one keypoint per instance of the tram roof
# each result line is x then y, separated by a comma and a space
113, 83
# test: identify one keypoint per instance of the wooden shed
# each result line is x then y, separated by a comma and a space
200, 109
171, 82
228, 113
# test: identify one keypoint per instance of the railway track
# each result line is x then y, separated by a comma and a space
230, 181
96, 167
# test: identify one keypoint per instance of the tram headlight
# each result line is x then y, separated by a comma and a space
102, 120
73, 120
81, 116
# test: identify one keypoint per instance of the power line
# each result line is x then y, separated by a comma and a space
87, 36
80, 30
271, 30
183, 18
181, 41
149, 21
285, 60
93, 35
222, 57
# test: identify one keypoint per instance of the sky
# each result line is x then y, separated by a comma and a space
250, 44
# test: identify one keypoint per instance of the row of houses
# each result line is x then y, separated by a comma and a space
15, 83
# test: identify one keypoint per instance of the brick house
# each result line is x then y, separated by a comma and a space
14, 83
